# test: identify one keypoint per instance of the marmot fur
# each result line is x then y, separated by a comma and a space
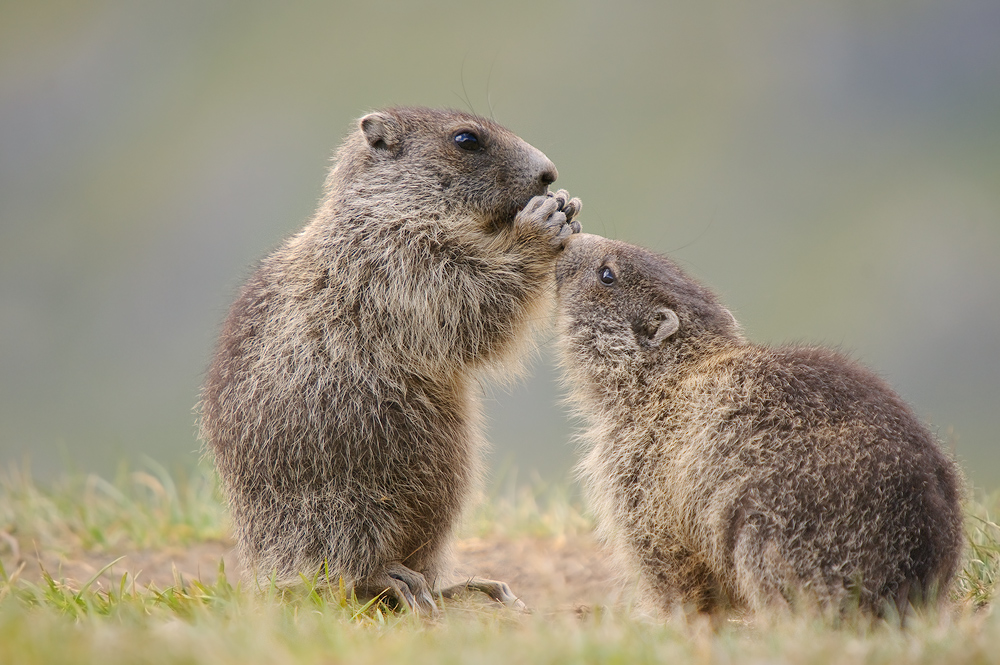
341, 405
724, 473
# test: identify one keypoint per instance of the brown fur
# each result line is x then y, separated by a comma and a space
727, 473
341, 405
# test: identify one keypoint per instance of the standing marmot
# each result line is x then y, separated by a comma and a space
341, 405
725, 472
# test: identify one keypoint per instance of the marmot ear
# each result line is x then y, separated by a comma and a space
668, 325
381, 130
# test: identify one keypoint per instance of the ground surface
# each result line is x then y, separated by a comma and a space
128, 571
547, 572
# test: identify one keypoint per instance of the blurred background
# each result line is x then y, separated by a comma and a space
832, 169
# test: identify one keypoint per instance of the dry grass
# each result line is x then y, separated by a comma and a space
53, 612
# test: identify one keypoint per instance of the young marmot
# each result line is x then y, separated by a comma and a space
341, 405
726, 473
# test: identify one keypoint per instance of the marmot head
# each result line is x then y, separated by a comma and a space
620, 304
441, 161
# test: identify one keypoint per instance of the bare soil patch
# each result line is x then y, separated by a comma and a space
552, 573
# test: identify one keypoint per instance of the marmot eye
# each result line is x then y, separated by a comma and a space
468, 141
606, 275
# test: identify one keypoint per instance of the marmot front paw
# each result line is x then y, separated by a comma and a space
553, 215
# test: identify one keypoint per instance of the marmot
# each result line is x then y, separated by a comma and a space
727, 474
341, 405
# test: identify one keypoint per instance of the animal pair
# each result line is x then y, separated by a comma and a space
341, 407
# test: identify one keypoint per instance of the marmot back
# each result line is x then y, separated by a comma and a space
727, 473
341, 405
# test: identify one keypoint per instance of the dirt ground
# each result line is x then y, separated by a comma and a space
548, 574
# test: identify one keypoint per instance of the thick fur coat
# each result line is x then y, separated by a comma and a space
341, 404
726, 473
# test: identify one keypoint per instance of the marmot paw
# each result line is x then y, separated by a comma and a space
407, 587
553, 215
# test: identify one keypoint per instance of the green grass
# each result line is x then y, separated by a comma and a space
138, 509
49, 620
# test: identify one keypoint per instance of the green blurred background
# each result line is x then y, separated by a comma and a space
832, 169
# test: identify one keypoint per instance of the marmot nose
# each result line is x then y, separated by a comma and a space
548, 175
544, 170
